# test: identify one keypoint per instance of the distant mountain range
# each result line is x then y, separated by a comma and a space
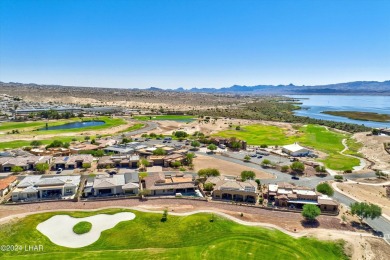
349, 88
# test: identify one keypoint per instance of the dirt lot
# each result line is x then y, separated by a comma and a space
374, 150
226, 168
368, 193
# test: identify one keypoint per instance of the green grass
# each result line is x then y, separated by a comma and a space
32, 127
132, 128
365, 116
82, 227
191, 237
180, 118
22, 143
314, 136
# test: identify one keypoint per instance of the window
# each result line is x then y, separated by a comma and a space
68, 191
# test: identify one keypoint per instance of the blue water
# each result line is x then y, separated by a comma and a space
74, 125
313, 105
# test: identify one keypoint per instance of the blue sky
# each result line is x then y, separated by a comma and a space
197, 43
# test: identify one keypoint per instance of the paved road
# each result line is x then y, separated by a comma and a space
380, 224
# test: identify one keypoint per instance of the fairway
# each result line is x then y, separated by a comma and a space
314, 136
178, 118
190, 237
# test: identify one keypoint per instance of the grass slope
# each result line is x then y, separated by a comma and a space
365, 116
180, 118
317, 137
82, 227
192, 237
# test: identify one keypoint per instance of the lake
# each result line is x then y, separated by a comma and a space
74, 125
313, 105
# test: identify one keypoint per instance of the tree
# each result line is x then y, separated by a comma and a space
310, 212
247, 175
247, 158
208, 186
238, 128
207, 172
164, 216
126, 140
266, 163
55, 143
325, 188
195, 144
297, 167
142, 164
16, 169
212, 147
142, 175
93, 141
180, 134
86, 166
36, 143
365, 210
152, 135
375, 131
321, 169
258, 183
42, 167
159, 151
235, 145
87, 138
264, 146
189, 158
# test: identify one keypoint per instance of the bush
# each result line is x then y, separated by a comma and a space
264, 146
325, 188
36, 143
16, 169
247, 158
82, 227
180, 134
159, 151
338, 177
176, 164
321, 169
285, 168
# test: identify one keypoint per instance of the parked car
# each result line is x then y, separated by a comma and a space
59, 170
164, 141
260, 156
295, 177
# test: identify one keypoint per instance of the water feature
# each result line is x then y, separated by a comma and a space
313, 105
74, 125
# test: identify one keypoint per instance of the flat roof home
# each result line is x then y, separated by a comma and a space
7, 184
289, 195
119, 149
73, 161
115, 184
170, 183
128, 161
26, 163
235, 190
295, 150
39, 187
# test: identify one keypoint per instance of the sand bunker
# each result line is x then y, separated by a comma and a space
59, 229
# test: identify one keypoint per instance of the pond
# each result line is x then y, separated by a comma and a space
73, 125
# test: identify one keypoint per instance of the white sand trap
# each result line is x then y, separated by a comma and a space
59, 229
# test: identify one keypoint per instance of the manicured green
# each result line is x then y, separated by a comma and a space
358, 115
82, 227
180, 118
314, 136
190, 237
22, 143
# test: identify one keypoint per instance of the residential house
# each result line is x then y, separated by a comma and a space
169, 184
119, 149
73, 161
128, 161
75, 149
26, 163
39, 187
289, 195
115, 184
7, 184
233, 190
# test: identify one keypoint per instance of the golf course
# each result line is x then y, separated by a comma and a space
312, 136
179, 118
198, 236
